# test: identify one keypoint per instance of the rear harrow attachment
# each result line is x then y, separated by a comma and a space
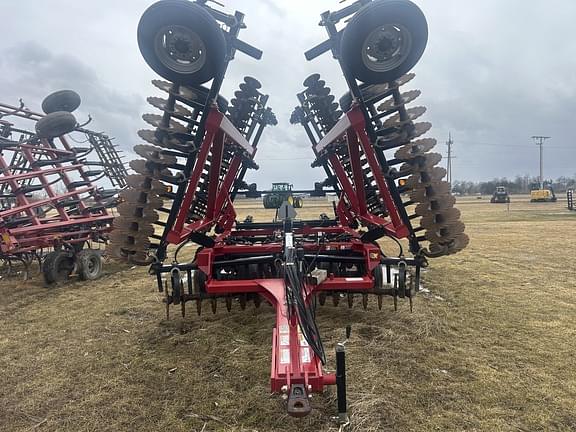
369, 145
48, 190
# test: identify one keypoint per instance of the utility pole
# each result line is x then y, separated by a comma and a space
539, 140
449, 161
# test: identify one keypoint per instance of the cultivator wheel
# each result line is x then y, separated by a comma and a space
57, 266
49, 193
89, 264
56, 124
62, 100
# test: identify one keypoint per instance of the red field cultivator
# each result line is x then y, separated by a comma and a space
202, 148
48, 194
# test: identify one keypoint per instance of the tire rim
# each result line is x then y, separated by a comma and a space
180, 49
386, 47
92, 265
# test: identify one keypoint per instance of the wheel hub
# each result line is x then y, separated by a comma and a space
386, 47
180, 49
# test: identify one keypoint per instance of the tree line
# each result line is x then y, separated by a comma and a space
519, 185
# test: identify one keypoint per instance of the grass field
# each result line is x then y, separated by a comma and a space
490, 346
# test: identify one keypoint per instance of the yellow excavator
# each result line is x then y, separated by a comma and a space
542, 193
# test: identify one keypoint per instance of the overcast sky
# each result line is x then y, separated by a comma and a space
495, 72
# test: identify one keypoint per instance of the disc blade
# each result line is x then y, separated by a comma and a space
435, 205
163, 105
415, 148
406, 98
144, 183
154, 155
252, 82
130, 209
411, 115
445, 233
440, 219
427, 193
425, 178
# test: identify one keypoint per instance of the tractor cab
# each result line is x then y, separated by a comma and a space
281, 187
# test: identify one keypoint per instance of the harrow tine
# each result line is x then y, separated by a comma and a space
199, 306
350, 300
243, 299
228, 303
365, 301
380, 301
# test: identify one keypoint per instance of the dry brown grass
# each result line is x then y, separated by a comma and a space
490, 348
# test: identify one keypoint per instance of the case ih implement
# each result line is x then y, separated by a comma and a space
202, 148
48, 193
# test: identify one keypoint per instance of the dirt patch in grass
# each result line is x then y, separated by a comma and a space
490, 347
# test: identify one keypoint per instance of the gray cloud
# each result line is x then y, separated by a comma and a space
494, 74
31, 71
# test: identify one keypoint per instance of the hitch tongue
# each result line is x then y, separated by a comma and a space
298, 403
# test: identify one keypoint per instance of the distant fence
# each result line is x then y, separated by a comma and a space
570, 199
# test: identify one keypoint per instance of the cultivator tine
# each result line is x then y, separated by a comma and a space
199, 306
228, 303
167, 300
243, 298
335, 298
322, 298
214, 304
365, 301
350, 300
380, 301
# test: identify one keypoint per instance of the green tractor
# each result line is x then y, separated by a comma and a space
500, 195
281, 192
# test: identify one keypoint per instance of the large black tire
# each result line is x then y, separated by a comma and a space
181, 42
62, 100
55, 124
269, 202
373, 57
57, 266
89, 264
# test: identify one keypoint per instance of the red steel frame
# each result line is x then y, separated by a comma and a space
352, 126
38, 233
293, 361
